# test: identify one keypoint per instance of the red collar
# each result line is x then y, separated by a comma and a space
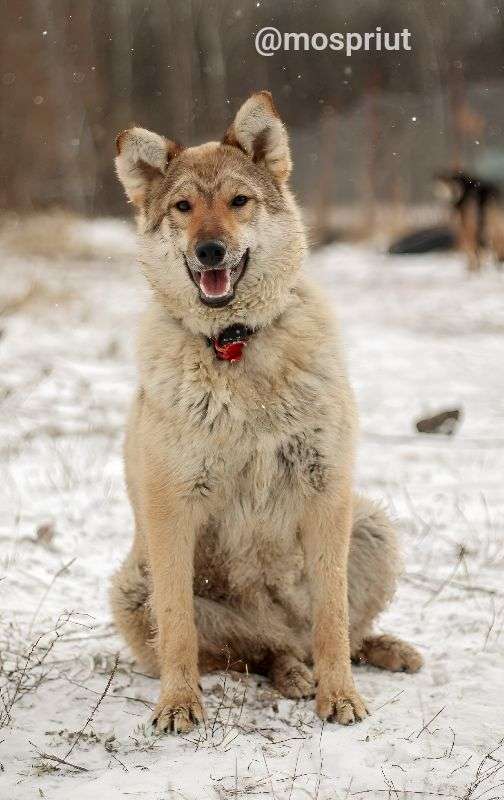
229, 344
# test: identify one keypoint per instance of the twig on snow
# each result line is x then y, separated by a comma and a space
96, 707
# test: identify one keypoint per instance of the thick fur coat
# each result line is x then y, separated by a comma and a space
251, 549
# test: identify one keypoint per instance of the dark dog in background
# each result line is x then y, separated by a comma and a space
478, 215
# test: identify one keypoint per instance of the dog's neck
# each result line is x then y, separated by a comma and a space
230, 338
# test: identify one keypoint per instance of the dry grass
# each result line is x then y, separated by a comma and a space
49, 762
48, 235
61, 235
24, 668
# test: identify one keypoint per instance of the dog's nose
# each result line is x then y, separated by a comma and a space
211, 253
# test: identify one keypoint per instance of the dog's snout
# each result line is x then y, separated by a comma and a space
210, 253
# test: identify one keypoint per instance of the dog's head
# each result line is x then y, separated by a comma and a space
452, 187
459, 188
220, 235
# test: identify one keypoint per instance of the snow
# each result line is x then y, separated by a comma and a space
421, 336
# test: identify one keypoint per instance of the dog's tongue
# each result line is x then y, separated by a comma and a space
215, 282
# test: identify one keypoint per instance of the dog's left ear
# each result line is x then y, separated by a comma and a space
258, 130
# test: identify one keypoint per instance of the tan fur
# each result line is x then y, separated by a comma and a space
466, 223
466, 226
494, 223
250, 548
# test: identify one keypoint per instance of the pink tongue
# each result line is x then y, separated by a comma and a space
215, 282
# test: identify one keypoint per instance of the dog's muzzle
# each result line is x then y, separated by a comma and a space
215, 280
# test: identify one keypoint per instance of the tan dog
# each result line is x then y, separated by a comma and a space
250, 547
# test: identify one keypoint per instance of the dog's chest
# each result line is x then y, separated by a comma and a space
252, 542
254, 457
259, 445
251, 451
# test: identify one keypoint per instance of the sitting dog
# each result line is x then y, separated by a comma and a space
251, 548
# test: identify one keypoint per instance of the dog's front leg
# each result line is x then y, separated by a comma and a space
326, 531
171, 526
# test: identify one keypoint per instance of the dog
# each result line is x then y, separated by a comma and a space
477, 215
251, 549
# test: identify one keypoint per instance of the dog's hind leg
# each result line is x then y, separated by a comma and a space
258, 641
291, 677
129, 598
373, 569
388, 652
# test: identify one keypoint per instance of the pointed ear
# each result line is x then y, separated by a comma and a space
258, 131
142, 156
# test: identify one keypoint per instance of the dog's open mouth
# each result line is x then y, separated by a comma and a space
217, 286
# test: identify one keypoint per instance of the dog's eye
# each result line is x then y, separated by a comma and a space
183, 205
239, 200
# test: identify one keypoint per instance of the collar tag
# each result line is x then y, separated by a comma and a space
229, 344
229, 352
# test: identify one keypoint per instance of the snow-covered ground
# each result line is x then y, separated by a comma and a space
421, 337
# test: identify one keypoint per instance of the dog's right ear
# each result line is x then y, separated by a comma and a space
142, 157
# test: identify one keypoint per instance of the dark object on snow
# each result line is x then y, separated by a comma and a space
445, 422
425, 240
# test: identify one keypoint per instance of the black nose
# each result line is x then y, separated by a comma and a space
210, 254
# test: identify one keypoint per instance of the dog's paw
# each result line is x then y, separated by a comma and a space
340, 705
388, 652
177, 712
292, 678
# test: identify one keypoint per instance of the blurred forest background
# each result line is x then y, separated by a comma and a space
365, 129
